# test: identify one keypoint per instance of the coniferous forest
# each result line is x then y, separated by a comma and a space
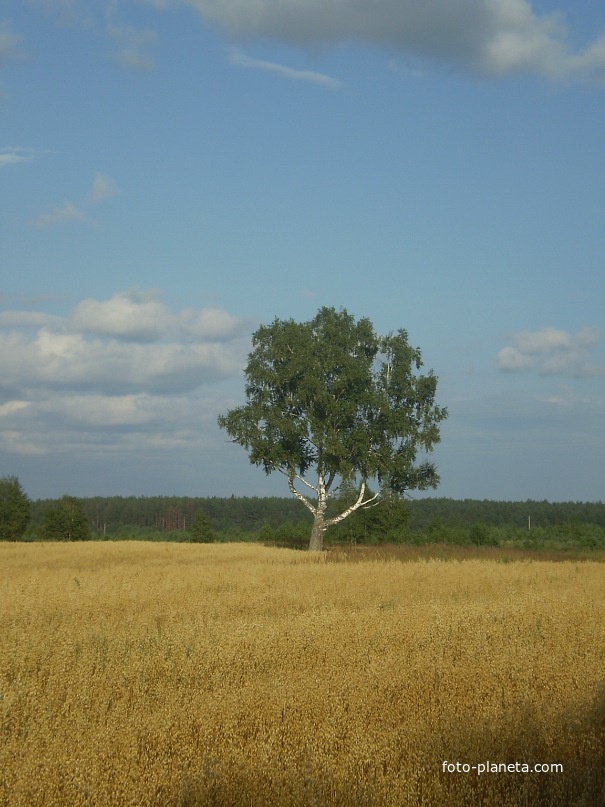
285, 522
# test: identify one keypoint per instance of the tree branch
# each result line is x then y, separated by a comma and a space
359, 503
294, 476
298, 494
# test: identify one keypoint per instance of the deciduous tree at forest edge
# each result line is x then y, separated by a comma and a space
14, 509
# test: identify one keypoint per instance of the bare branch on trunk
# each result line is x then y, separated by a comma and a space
301, 497
355, 506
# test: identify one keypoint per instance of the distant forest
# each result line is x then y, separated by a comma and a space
113, 515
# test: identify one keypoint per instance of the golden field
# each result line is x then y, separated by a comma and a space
183, 674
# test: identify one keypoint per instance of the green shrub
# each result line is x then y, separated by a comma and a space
201, 530
480, 535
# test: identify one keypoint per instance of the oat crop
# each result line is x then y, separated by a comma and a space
179, 674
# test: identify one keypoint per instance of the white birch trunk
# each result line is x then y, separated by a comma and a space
320, 523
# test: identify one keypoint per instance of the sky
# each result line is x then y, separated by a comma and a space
174, 173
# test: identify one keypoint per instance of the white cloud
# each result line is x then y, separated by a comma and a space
212, 323
482, 37
592, 59
15, 155
130, 344
52, 360
28, 319
14, 441
61, 215
513, 360
522, 42
543, 341
97, 424
13, 406
11, 158
240, 59
112, 410
124, 373
136, 315
552, 351
103, 187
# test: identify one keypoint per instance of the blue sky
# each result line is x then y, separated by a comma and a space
174, 173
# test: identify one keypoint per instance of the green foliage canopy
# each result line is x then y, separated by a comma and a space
332, 395
201, 529
66, 521
14, 509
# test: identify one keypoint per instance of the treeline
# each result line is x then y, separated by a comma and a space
425, 513
110, 516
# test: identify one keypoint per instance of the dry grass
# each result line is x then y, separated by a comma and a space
414, 552
178, 674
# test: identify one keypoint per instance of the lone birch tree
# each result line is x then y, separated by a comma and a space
330, 402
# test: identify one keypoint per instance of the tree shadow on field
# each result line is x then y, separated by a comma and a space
574, 740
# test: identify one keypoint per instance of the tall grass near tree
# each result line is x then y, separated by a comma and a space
182, 674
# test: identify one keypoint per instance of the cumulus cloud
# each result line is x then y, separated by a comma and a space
130, 343
99, 410
28, 319
141, 316
211, 323
482, 37
114, 369
552, 351
240, 59
135, 315
71, 361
